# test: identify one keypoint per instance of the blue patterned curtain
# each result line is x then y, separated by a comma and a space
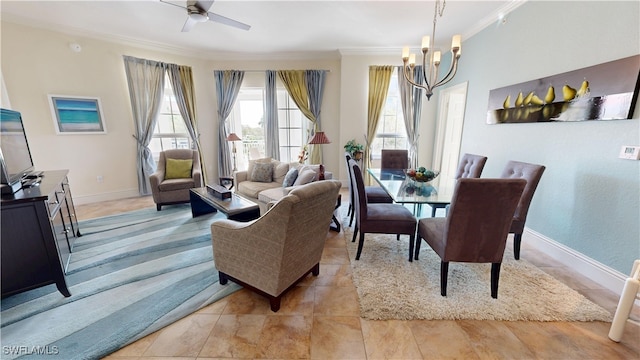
272, 135
228, 84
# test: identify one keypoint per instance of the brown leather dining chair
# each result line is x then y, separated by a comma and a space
476, 228
470, 166
394, 159
532, 173
379, 218
375, 194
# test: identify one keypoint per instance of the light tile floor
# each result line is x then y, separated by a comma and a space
319, 320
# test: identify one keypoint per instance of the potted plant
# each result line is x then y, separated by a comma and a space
353, 148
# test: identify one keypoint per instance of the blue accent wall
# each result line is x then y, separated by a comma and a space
588, 198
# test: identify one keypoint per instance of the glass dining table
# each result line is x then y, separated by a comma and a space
404, 190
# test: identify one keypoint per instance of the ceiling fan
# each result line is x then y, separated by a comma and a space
198, 11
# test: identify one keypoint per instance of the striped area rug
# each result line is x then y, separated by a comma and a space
129, 275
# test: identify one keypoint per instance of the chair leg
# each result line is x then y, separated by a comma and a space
352, 215
418, 242
355, 233
495, 277
444, 272
517, 240
397, 236
412, 241
360, 243
222, 277
349, 210
274, 302
316, 269
158, 207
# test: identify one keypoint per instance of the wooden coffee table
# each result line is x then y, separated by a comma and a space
235, 208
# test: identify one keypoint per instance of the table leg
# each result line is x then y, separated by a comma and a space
199, 206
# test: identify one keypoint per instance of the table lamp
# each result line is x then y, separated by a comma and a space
233, 138
320, 138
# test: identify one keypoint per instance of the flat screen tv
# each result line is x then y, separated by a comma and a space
15, 157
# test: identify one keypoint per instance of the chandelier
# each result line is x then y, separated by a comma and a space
430, 68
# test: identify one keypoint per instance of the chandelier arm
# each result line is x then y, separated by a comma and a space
424, 70
453, 69
411, 81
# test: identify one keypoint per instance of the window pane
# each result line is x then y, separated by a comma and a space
295, 137
164, 124
296, 118
391, 133
284, 137
179, 126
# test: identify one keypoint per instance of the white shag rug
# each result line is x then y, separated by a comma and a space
391, 287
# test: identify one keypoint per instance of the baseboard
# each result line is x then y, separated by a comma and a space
605, 276
117, 195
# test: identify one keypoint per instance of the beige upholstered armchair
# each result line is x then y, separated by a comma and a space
178, 171
272, 253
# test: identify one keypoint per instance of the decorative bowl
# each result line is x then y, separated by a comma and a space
421, 174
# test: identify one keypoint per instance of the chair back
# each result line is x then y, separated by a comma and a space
360, 206
351, 195
530, 172
479, 218
180, 154
470, 166
309, 210
394, 159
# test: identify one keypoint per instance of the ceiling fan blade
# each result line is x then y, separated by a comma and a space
226, 21
204, 5
189, 24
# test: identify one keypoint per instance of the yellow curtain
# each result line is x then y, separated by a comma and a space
295, 83
379, 79
188, 91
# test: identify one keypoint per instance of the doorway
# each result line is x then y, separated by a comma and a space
449, 134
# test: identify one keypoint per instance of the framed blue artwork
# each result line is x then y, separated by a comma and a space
77, 114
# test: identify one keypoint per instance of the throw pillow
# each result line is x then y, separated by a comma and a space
315, 168
305, 177
280, 170
253, 162
290, 178
178, 168
262, 172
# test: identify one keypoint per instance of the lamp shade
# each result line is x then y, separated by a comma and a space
319, 138
233, 137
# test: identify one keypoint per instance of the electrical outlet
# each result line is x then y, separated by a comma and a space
630, 152
100, 178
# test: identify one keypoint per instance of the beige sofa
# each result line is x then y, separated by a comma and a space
263, 192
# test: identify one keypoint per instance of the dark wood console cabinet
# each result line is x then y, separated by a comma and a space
38, 229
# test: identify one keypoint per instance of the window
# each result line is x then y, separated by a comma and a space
170, 131
248, 115
292, 126
391, 132
247, 120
